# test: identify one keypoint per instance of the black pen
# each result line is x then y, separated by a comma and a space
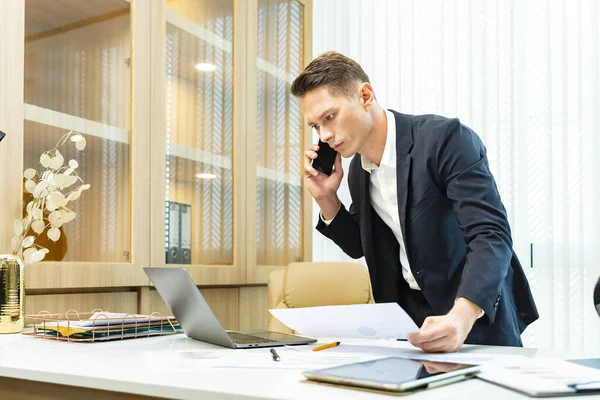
275, 355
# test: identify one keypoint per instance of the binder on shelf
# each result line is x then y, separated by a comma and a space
186, 233
178, 233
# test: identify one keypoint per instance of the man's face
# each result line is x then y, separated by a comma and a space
341, 121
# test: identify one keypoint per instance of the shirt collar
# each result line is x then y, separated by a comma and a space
389, 151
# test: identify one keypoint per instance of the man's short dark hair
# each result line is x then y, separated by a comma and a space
332, 69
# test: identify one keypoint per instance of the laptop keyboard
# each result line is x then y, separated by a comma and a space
240, 338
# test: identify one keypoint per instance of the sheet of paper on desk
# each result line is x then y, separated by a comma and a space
539, 376
383, 321
387, 348
255, 359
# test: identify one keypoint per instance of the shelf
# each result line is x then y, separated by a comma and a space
104, 131
223, 44
219, 161
66, 121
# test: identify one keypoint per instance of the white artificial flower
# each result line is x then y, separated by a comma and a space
18, 226
37, 256
68, 216
36, 213
56, 219
27, 254
29, 173
30, 185
38, 226
47, 175
55, 200
50, 206
70, 181
80, 145
14, 242
40, 189
45, 160
47, 194
53, 234
28, 241
57, 161
59, 180
74, 195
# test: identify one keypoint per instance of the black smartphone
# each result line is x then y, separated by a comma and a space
326, 158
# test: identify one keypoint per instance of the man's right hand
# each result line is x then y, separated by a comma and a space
322, 187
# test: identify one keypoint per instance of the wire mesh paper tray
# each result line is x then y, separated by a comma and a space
99, 325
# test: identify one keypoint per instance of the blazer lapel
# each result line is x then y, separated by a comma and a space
404, 142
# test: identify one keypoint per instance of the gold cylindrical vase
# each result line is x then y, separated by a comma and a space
12, 293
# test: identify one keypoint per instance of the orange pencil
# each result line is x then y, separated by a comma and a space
326, 346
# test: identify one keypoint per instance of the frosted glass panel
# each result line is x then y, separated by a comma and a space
199, 133
78, 77
279, 140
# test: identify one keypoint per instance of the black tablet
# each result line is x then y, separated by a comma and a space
395, 374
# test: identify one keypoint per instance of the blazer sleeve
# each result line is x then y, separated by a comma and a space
463, 169
344, 231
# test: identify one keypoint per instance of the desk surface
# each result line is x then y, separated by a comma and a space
121, 367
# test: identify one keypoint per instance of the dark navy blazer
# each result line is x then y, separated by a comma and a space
454, 225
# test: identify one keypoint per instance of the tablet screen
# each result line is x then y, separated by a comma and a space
391, 370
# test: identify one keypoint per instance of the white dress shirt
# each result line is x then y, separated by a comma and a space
384, 194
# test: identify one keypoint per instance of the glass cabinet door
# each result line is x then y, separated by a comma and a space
279, 145
78, 78
199, 132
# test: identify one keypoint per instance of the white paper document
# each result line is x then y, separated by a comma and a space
372, 349
541, 377
254, 359
369, 321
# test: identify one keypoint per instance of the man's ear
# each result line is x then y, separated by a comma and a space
366, 95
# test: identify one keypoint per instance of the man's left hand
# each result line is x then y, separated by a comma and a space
446, 333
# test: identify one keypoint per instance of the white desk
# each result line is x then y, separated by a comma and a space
119, 370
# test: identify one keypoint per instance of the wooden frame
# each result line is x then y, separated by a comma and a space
12, 53
259, 274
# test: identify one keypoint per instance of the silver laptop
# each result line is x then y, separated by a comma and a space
193, 313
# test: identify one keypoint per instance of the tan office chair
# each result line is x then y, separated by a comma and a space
310, 284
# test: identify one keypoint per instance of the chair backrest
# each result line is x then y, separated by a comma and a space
310, 284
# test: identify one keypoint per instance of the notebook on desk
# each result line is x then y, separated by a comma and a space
198, 321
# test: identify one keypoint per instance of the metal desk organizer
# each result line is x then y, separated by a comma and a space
96, 326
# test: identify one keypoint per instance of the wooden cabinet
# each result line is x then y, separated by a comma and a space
194, 143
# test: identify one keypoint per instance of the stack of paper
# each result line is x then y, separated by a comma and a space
106, 325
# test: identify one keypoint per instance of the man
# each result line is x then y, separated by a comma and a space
425, 213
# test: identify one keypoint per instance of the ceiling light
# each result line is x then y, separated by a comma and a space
206, 176
76, 138
205, 67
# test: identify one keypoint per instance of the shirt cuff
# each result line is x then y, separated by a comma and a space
328, 221
325, 221
481, 314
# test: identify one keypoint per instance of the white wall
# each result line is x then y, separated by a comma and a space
526, 77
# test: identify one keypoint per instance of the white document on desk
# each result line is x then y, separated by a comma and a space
192, 360
381, 321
